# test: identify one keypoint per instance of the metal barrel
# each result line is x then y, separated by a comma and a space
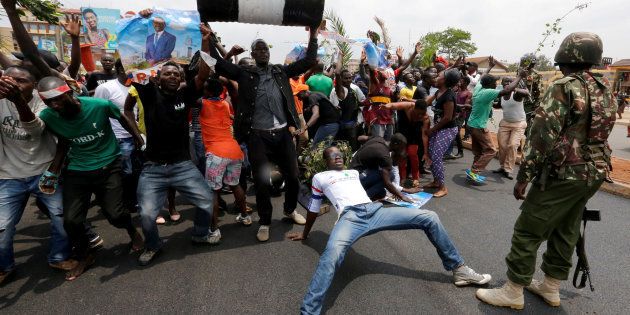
272, 12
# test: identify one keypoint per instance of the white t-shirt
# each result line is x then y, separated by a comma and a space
26, 148
115, 92
474, 79
342, 188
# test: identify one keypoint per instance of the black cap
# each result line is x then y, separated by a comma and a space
46, 55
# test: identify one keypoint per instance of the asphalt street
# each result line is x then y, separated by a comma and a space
618, 140
386, 273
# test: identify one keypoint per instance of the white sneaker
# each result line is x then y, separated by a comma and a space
263, 233
245, 220
213, 238
464, 275
296, 217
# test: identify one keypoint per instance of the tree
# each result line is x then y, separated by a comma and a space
452, 42
337, 25
543, 63
43, 10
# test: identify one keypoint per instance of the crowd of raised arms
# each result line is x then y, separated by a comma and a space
201, 130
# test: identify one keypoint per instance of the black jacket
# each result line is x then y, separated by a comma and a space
248, 79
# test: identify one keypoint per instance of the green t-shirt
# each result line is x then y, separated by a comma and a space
92, 141
481, 106
320, 83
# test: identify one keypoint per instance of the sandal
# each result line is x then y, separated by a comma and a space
441, 193
81, 267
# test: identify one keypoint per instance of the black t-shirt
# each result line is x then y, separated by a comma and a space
420, 93
449, 95
349, 107
372, 155
97, 78
412, 130
328, 113
166, 120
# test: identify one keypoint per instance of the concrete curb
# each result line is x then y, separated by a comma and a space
616, 188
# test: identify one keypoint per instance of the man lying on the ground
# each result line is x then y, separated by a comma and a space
358, 217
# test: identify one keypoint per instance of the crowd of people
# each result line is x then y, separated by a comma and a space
199, 130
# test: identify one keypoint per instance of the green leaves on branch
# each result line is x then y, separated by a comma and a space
336, 24
554, 28
43, 10
452, 42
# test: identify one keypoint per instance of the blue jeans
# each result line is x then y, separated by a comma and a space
14, 195
372, 182
127, 146
366, 219
154, 183
200, 151
383, 131
325, 131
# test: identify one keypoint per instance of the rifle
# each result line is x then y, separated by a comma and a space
582, 264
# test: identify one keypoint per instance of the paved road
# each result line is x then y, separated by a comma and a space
389, 272
618, 140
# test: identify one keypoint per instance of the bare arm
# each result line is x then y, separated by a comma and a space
449, 107
313, 120
386, 175
5, 62
73, 28
399, 106
408, 62
24, 39
513, 85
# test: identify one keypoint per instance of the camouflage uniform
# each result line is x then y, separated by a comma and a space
568, 156
533, 83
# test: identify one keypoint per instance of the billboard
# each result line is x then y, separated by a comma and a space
99, 27
165, 35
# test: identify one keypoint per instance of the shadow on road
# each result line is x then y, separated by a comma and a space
356, 265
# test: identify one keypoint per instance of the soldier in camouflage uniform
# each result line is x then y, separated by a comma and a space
533, 83
567, 158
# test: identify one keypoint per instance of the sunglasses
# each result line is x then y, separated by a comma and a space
335, 155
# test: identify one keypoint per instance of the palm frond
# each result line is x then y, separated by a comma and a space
337, 25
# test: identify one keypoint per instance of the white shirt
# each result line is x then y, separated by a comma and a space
342, 188
334, 99
474, 79
157, 37
117, 93
26, 148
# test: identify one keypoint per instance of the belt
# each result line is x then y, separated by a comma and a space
272, 132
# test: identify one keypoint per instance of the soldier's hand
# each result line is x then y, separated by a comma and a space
519, 190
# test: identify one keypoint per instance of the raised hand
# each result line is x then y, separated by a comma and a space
146, 13
206, 31
72, 26
236, 50
418, 47
491, 62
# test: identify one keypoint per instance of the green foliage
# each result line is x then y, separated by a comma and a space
554, 28
337, 25
43, 10
452, 42
313, 158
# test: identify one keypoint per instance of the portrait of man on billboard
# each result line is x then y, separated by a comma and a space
159, 45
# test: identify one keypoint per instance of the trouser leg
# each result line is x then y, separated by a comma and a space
258, 151
349, 229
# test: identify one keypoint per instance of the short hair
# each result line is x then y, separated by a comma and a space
345, 71
319, 67
88, 10
421, 104
21, 69
472, 64
451, 77
172, 64
214, 87
398, 138
487, 79
258, 40
243, 60
466, 79
159, 18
